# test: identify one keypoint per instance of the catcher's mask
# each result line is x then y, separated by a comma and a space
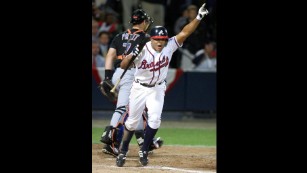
138, 16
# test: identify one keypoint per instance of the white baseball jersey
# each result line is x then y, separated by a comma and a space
152, 66
151, 69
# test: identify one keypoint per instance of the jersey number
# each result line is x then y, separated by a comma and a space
127, 46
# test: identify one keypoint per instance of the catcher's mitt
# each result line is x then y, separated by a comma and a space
105, 87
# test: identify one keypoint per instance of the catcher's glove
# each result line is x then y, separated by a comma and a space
105, 87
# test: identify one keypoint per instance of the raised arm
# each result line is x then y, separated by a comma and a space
190, 28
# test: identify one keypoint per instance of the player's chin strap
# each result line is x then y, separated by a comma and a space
150, 20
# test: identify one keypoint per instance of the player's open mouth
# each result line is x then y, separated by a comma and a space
159, 48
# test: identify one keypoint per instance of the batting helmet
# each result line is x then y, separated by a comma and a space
158, 32
138, 16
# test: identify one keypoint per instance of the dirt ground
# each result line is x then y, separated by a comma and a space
167, 159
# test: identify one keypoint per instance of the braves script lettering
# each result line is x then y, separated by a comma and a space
154, 67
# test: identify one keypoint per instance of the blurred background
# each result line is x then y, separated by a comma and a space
191, 81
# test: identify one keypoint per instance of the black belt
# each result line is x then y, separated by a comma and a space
149, 86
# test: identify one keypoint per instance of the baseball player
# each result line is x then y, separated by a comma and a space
121, 45
148, 88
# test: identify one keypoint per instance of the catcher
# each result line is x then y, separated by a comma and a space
121, 46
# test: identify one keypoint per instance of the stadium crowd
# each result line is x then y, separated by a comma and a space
199, 51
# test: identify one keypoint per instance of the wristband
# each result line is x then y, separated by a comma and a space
199, 16
108, 74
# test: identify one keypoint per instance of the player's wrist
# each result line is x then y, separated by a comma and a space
199, 16
108, 74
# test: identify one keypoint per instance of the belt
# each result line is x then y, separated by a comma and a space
150, 86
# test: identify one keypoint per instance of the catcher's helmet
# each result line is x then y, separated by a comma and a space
138, 16
158, 32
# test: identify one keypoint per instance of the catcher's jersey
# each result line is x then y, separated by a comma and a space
121, 44
152, 66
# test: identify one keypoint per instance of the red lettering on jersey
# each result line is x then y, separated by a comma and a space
154, 67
